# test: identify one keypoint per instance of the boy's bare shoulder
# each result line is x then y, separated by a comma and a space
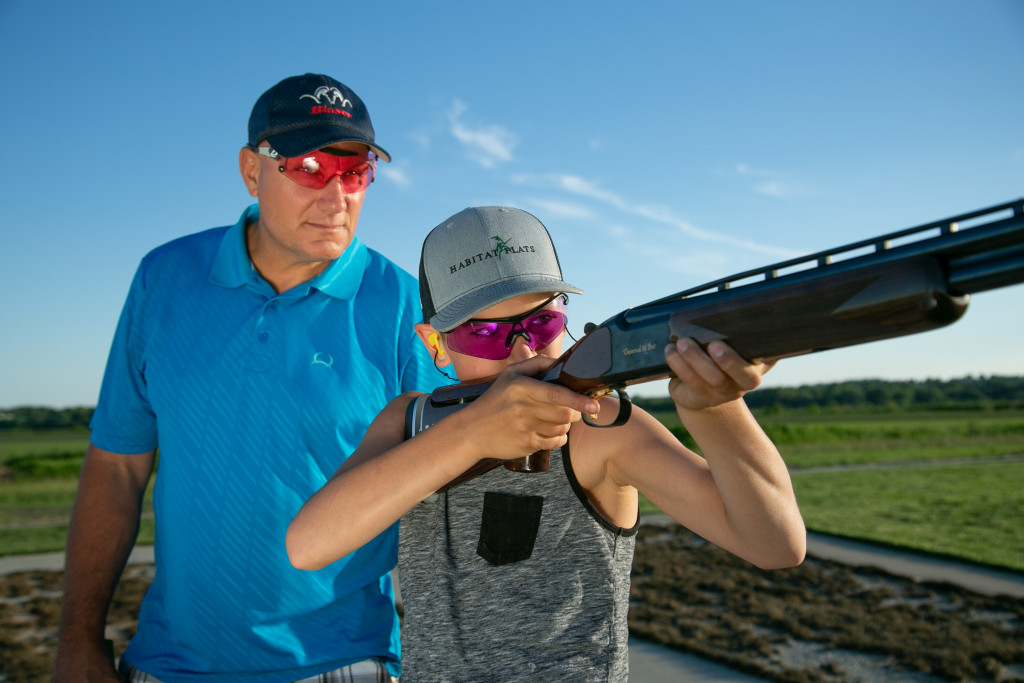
405, 399
397, 406
386, 431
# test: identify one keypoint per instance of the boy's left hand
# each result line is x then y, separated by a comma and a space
704, 379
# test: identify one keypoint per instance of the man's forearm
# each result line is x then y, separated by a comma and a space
102, 531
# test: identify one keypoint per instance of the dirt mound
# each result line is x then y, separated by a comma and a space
30, 614
821, 621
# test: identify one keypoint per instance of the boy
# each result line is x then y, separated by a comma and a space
512, 576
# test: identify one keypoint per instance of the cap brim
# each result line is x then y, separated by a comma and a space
305, 140
467, 306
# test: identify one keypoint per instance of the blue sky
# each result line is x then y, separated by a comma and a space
664, 144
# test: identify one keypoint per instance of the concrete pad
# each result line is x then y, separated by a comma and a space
652, 663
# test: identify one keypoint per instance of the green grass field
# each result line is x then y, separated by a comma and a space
38, 481
972, 511
938, 483
35, 443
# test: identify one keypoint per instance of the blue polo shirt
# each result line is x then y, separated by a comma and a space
254, 399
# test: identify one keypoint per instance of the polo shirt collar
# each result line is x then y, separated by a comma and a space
232, 266
342, 277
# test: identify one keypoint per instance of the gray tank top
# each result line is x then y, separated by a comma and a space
514, 577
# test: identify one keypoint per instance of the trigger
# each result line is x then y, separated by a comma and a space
625, 407
597, 396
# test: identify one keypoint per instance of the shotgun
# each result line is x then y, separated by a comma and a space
897, 284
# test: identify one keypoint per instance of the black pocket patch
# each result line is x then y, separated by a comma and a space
509, 527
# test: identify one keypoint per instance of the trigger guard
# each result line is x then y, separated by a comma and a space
625, 410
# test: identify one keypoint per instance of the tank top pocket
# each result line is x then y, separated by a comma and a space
508, 527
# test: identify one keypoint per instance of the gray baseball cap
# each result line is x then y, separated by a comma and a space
482, 256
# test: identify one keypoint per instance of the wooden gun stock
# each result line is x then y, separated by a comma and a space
909, 281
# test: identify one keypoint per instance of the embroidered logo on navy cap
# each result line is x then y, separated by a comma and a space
324, 96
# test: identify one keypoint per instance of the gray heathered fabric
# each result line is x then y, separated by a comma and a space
559, 615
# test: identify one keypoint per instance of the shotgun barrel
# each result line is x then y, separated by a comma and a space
897, 284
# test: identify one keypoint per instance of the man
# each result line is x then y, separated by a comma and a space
254, 356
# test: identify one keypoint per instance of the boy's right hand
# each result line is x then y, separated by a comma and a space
519, 415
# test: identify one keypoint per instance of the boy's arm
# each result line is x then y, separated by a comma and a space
387, 475
739, 495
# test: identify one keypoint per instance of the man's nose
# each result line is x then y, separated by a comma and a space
333, 197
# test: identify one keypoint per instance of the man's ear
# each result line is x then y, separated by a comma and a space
249, 166
431, 338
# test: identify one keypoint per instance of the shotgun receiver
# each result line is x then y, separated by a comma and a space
902, 283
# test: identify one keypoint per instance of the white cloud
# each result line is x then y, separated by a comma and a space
395, 174
421, 138
744, 169
663, 215
562, 209
773, 188
665, 259
770, 184
486, 144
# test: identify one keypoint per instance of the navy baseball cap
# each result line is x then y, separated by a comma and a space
308, 112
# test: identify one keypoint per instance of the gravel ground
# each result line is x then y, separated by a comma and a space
820, 622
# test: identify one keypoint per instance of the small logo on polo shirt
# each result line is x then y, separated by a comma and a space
323, 359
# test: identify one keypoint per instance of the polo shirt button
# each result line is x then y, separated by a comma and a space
272, 305
264, 336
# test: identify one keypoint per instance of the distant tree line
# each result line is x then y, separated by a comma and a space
957, 394
969, 392
41, 418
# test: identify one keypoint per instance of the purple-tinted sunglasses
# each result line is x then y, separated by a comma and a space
493, 338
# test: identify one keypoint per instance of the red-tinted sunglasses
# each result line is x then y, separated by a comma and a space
493, 338
317, 168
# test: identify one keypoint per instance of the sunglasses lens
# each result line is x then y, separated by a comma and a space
494, 341
317, 169
543, 328
482, 340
